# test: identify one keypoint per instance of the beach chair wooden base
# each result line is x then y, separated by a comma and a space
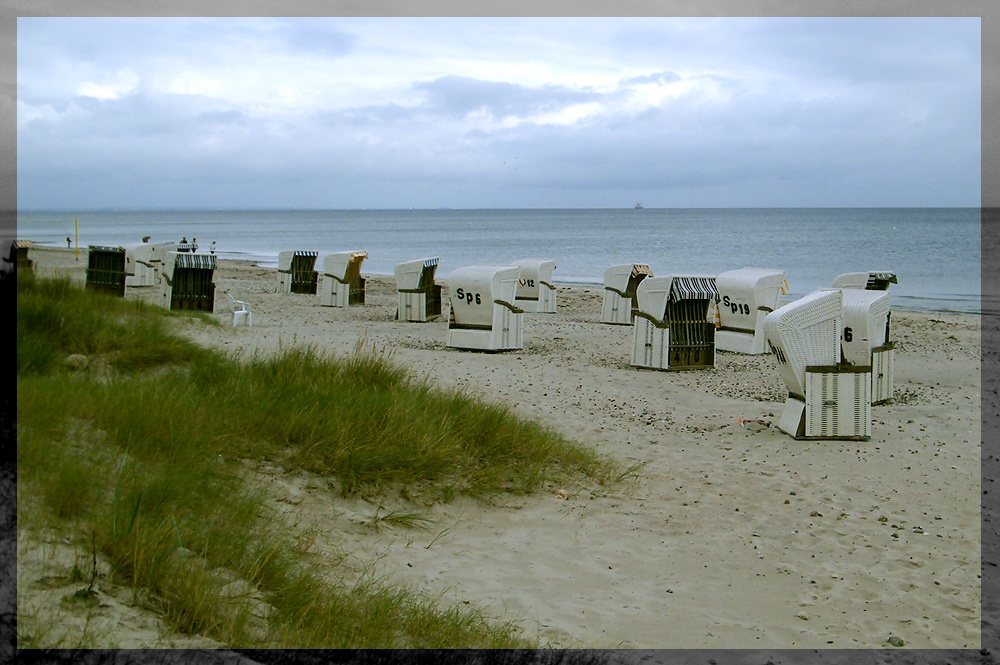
837, 405
545, 303
338, 293
419, 306
651, 349
750, 342
616, 309
506, 333
882, 369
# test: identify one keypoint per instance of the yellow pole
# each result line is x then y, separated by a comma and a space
76, 232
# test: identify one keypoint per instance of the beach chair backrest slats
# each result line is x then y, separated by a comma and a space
106, 269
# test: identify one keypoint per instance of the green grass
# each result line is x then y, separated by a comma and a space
138, 454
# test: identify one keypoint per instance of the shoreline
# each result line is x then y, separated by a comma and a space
728, 538
256, 263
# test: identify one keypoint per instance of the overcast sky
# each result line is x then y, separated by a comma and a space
497, 112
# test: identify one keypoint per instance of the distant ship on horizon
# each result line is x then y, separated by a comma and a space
638, 206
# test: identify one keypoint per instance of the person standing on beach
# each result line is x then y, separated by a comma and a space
212, 248
69, 243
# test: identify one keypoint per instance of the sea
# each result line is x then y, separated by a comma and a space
936, 253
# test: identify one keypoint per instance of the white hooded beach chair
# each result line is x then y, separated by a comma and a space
297, 271
865, 338
620, 283
483, 315
746, 296
139, 269
872, 281
343, 284
187, 282
535, 291
827, 399
419, 297
673, 329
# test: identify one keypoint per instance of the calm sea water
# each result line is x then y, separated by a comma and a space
936, 252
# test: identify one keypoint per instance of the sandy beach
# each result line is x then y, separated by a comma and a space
727, 538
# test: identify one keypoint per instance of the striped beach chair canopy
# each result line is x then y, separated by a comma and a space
693, 288
196, 261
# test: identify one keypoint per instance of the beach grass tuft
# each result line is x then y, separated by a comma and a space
139, 449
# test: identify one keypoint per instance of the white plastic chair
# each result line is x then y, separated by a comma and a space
241, 311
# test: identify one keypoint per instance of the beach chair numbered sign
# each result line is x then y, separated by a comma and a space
139, 268
343, 284
297, 272
827, 398
865, 338
187, 282
746, 296
620, 284
673, 328
871, 281
106, 270
535, 291
419, 297
482, 313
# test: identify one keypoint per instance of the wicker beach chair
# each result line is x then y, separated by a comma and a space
343, 284
535, 290
419, 297
297, 271
827, 399
620, 284
187, 282
483, 315
672, 328
746, 296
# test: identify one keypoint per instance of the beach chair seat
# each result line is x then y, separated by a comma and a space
297, 271
827, 398
878, 280
746, 296
419, 298
673, 325
620, 284
535, 290
343, 284
187, 282
865, 338
482, 312
106, 270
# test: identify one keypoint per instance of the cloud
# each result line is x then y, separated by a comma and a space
363, 112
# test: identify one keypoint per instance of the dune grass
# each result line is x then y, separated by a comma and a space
136, 449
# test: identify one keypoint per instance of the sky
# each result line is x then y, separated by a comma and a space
381, 112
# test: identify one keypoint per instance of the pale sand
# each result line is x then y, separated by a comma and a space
728, 538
